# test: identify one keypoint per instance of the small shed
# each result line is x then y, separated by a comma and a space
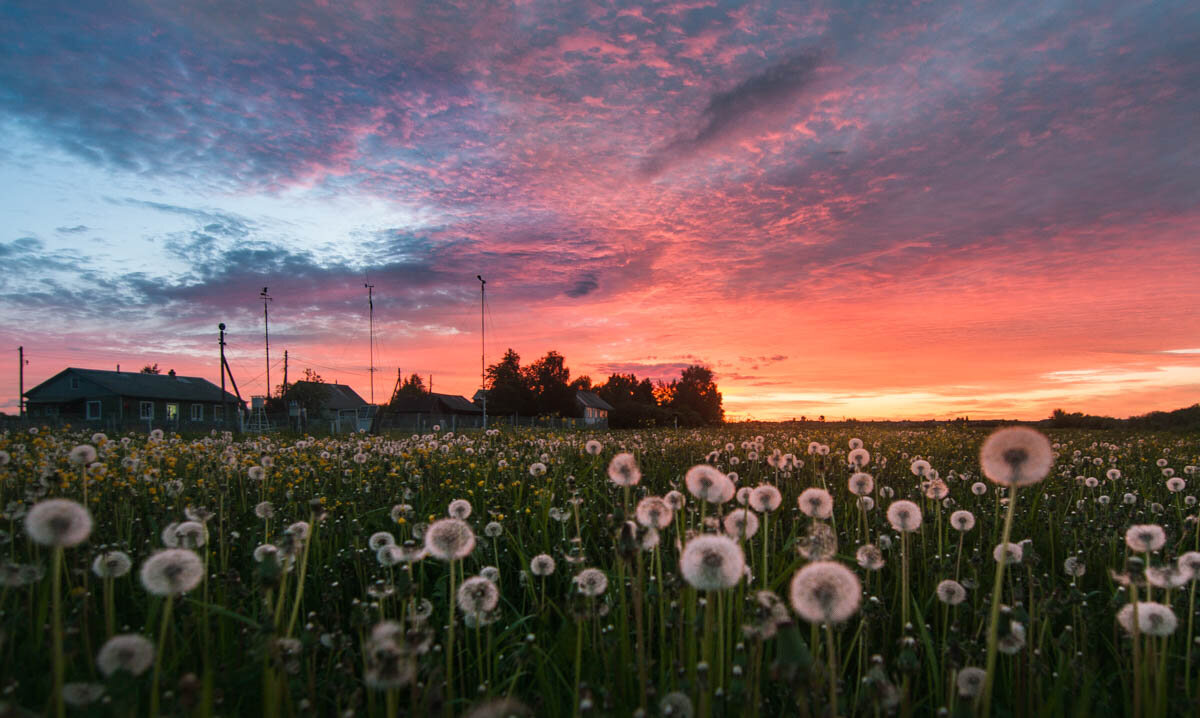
595, 410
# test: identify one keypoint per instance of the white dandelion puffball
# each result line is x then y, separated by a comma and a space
765, 498
1153, 619
1175, 484
127, 652
709, 484
712, 563
478, 596
1010, 553
674, 499
1145, 537
449, 539
623, 470
541, 565
904, 516
593, 447
653, 512
869, 557
816, 503
951, 592
459, 509
379, 539
920, 467
970, 681
858, 458
861, 484
58, 522
741, 524
82, 455
962, 520
493, 529
112, 564
1074, 567
591, 582
825, 592
1016, 456
172, 571
264, 510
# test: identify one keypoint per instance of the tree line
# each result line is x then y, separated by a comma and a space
545, 387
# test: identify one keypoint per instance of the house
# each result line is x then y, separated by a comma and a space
335, 403
430, 403
595, 410
117, 398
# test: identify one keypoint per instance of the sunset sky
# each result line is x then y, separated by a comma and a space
987, 208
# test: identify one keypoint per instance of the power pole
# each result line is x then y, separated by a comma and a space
284, 370
371, 334
21, 390
224, 403
482, 347
267, 336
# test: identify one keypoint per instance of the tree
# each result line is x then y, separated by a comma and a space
633, 402
508, 388
695, 398
548, 378
151, 369
414, 386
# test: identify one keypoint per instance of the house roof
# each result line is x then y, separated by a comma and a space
592, 400
339, 396
132, 384
434, 404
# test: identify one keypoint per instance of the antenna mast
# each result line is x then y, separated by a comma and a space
482, 347
267, 335
371, 309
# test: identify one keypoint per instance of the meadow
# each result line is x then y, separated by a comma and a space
741, 570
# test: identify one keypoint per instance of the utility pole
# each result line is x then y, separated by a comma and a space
284, 370
267, 336
224, 403
482, 347
371, 333
21, 390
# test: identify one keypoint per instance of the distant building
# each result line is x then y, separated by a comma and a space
117, 398
439, 404
595, 410
339, 405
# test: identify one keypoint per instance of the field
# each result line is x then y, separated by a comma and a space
496, 574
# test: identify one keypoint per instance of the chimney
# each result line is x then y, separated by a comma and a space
171, 373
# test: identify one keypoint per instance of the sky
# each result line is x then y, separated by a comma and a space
849, 209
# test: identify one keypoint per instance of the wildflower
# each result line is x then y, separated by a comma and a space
920, 467
1010, 553
1175, 484
869, 557
379, 539
858, 458
591, 582
82, 454
1190, 562
708, 484
593, 447
478, 596
1074, 567
623, 470
491, 573
400, 511
541, 565
904, 516
1113, 474
741, 524
537, 468
936, 489
255, 473
459, 509
861, 484
264, 550
299, 530
711, 563
819, 543
127, 652
1145, 537
970, 681
1091, 482
1167, 576
493, 529
765, 498
825, 592
866, 503
951, 592
449, 539
1153, 619
676, 704
674, 499
112, 564
58, 522
979, 488
172, 571
80, 695
962, 520
1014, 641
816, 503
388, 665
190, 534
654, 512
1016, 456
264, 510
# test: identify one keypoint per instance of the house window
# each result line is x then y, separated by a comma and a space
74, 382
218, 413
93, 410
197, 412
172, 412
146, 410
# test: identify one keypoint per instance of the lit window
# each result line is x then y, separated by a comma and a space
172, 412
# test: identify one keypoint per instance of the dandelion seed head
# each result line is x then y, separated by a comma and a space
459, 509
1145, 537
712, 563
741, 524
825, 592
970, 681
708, 484
904, 516
1153, 619
449, 539
951, 592
869, 557
591, 582
816, 503
623, 470
127, 652
765, 498
593, 447
112, 564
654, 512
1010, 553
172, 571
58, 522
477, 596
379, 539
541, 565
861, 484
1016, 456
82, 455
962, 520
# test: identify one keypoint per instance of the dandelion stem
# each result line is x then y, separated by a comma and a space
158, 654
60, 709
831, 662
994, 617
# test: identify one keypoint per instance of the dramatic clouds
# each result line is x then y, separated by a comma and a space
844, 208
